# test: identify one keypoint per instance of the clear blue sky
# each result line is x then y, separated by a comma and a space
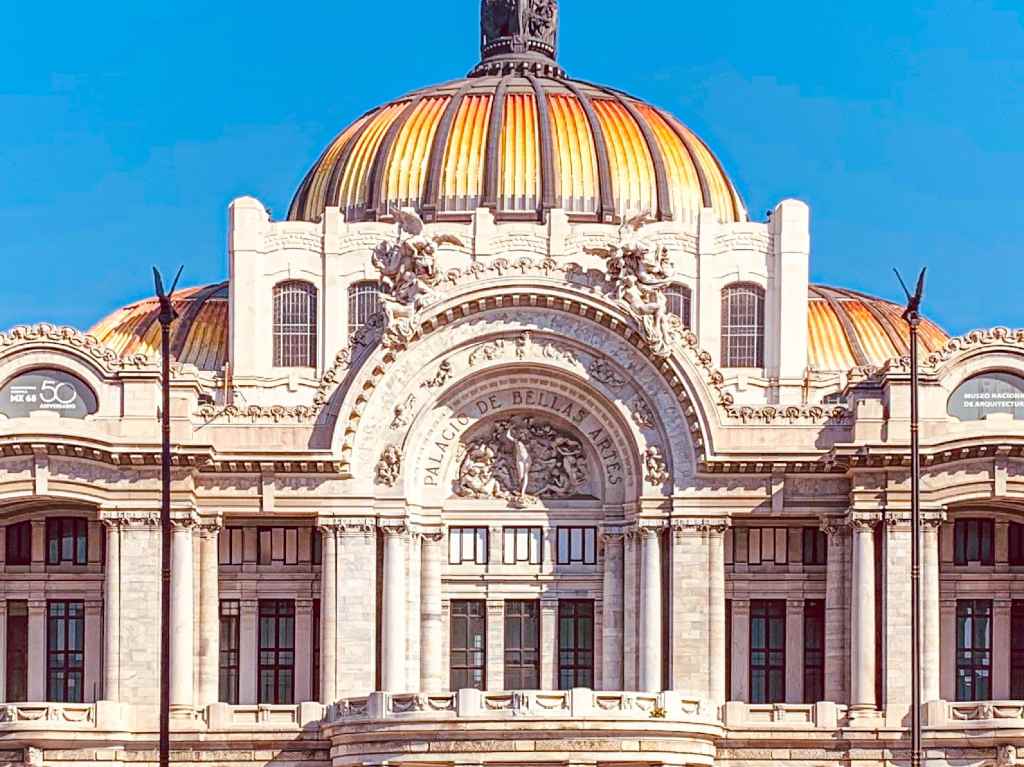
127, 127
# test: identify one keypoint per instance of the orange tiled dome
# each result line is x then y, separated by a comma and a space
199, 336
847, 329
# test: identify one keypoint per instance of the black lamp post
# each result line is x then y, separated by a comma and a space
166, 317
912, 317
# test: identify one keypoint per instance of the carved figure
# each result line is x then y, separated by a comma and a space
639, 275
33, 757
408, 271
389, 466
444, 372
1007, 756
655, 466
522, 459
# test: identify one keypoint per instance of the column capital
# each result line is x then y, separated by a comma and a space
135, 519
717, 525
612, 535
933, 519
393, 527
795, 606
209, 527
339, 526
834, 526
181, 523
864, 520
430, 534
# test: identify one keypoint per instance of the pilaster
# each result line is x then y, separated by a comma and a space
837, 635
495, 660
794, 651
612, 613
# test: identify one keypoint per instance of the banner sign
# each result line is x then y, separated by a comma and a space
995, 392
49, 390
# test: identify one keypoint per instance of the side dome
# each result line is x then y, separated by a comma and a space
199, 336
520, 138
847, 329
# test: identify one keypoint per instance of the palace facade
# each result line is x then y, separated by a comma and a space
517, 443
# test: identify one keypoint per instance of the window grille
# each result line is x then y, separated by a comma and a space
575, 643
230, 628
363, 304
814, 650
743, 326
678, 302
522, 645
295, 325
65, 651
468, 654
767, 650
277, 651
973, 649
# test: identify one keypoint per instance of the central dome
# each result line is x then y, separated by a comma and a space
519, 137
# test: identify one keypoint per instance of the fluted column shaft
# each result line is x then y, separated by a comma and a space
650, 600
862, 654
209, 615
393, 668
329, 614
431, 641
112, 614
612, 599
836, 639
930, 655
716, 612
181, 614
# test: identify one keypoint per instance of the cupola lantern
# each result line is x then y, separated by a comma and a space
518, 35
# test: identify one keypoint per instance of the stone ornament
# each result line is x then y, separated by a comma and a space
523, 347
639, 275
403, 413
440, 378
33, 757
408, 270
1007, 756
602, 371
642, 414
655, 469
522, 459
69, 337
389, 466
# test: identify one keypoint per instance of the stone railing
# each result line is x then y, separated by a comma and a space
773, 716
48, 716
988, 714
554, 704
223, 717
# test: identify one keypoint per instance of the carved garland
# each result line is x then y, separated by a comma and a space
44, 332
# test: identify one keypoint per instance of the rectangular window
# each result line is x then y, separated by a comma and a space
762, 545
767, 650
19, 544
315, 671
229, 544
1016, 543
973, 541
974, 649
522, 545
577, 545
467, 545
468, 644
815, 548
66, 541
575, 643
17, 651
277, 651
522, 645
277, 546
1017, 650
814, 650
65, 651
317, 548
230, 629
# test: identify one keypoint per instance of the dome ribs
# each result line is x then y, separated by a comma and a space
547, 160
664, 212
492, 169
606, 205
432, 186
860, 356
376, 176
333, 194
702, 178
188, 317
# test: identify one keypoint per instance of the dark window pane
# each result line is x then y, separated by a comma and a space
468, 644
767, 651
575, 641
974, 649
295, 324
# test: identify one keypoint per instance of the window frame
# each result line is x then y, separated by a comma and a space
71, 659
18, 544
1015, 544
574, 670
511, 555
588, 545
979, 665
229, 614
80, 541
231, 542
479, 549
733, 331
360, 309
986, 538
774, 664
280, 668
681, 292
295, 327
816, 541
814, 650
286, 532
469, 660
524, 658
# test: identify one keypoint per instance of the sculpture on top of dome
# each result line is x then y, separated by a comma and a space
639, 275
408, 271
517, 31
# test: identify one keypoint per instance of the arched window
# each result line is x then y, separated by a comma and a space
363, 303
295, 325
677, 298
743, 326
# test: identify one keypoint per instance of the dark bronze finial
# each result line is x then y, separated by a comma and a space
518, 35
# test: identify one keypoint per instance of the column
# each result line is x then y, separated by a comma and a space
836, 575
112, 612
549, 644
393, 677
3, 648
431, 629
495, 659
896, 621
690, 589
356, 589
862, 609
248, 638
182, 652
716, 611
37, 650
328, 612
303, 650
93, 676
1001, 616
947, 641
630, 609
209, 614
740, 650
930, 634
611, 627
650, 600
794, 651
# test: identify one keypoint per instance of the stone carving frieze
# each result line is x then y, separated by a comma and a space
521, 459
404, 412
440, 378
641, 412
522, 347
602, 370
107, 358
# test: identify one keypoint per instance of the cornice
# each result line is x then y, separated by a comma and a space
64, 337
